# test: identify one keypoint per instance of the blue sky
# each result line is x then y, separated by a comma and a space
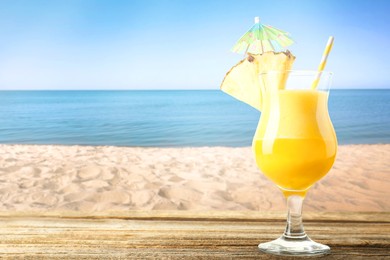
85, 44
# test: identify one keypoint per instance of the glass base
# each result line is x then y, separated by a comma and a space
302, 246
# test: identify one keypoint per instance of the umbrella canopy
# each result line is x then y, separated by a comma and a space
262, 38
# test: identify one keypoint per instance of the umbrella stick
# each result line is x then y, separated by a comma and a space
246, 51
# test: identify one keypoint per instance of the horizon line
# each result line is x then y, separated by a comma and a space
173, 89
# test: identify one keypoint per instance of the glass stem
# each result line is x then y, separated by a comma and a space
294, 228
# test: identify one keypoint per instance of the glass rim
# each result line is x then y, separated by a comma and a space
299, 72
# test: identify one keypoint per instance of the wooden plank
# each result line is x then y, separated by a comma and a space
205, 215
178, 235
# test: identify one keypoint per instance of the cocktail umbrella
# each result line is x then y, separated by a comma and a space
265, 47
262, 38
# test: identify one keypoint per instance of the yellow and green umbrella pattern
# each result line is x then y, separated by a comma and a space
262, 38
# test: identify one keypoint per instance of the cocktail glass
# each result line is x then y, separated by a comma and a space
295, 145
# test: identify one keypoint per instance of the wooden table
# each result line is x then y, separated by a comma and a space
183, 234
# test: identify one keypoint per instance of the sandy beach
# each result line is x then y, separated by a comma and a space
106, 178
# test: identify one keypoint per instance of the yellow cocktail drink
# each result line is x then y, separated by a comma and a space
295, 144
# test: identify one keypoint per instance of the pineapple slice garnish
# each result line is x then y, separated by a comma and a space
242, 80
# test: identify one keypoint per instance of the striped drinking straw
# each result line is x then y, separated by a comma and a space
327, 50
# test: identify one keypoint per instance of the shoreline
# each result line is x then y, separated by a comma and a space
165, 147
120, 178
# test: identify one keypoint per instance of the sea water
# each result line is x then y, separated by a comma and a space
169, 118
